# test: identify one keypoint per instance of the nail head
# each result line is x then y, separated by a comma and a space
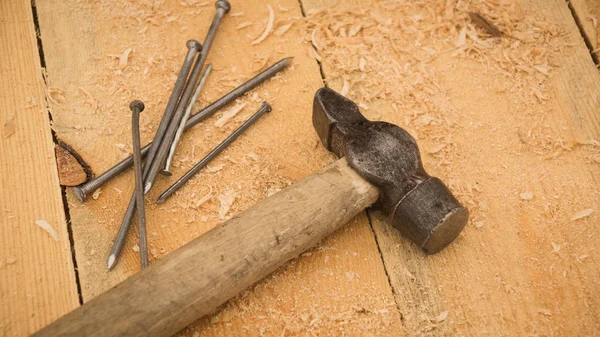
137, 105
223, 4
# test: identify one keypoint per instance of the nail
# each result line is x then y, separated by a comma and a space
165, 144
193, 48
137, 107
115, 250
83, 191
186, 116
265, 107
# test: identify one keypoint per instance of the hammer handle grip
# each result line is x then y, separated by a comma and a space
197, 278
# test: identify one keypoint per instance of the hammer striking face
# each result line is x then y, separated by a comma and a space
420, 206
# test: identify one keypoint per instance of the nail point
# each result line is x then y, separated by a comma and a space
111, 261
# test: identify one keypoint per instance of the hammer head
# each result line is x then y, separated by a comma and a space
418, 205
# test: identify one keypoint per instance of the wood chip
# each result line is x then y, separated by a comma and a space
136, 248
582, 214
268, 28
345, 88
484, 24
96, 193
72, 169
479, 224
555, 248
528, 195
46, 226
252, 155
226, 200
442, 316
11, 260
204, 199
462, 37
123, 57
213, 169
229, 114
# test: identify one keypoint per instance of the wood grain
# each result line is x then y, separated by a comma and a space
37, 279
521, 267
202, 275
588, 13
340, 286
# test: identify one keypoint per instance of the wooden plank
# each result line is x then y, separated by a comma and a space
340, 287
524, 166
588, 14
37, 280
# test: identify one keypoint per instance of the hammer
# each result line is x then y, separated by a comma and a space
381, 167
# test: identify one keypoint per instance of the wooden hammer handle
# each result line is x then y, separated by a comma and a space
197, 278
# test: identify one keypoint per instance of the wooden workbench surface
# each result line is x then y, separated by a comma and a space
511, 123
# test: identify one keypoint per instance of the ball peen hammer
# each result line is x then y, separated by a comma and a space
381, 168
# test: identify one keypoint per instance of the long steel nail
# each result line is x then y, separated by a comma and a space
81, 192
186, 116
163, 149
137, 107
193, 48
265, 107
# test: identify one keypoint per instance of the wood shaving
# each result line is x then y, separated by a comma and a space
243, 25
282, 29
204, 199
226, 200
437, 148
528, 195
46, 226
123, 57
462, 37
268, 28
441, 317
135, 248
479, 224
252, 155
314, 54
345, 88
582, 214
214, 168
11, 260
96, 193
555, 248
229, 114
362, 64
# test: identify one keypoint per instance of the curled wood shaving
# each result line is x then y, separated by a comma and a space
213, 169
268, 28
229, 114
283, 29
46, 226
462, 37
92, 100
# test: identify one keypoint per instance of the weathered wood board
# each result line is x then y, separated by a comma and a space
526, 166
511, 124
37, 278
340, 285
